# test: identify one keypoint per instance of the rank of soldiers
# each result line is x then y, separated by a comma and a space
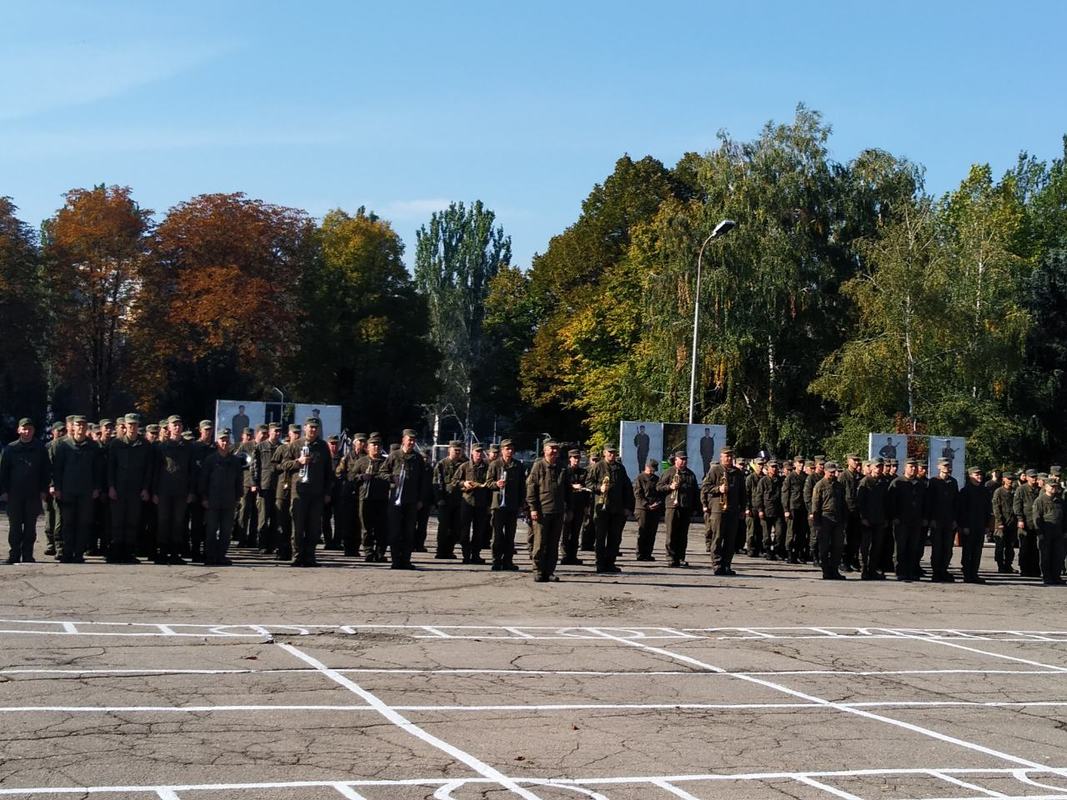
108, 489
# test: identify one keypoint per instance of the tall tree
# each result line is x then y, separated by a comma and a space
456, 257
95, 248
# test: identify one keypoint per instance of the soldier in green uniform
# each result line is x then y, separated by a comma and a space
309, 465
146, 531
546, 495
1049, 523
613, 499
507, 476
221, 486
830, 515
753, 526
173, 489
722, 496
1025, 495
368, 473
850, 478
470, 480
794, 511
648, 507
283, 497
52, 521
331, 528
578, 496
871, 505
588, 542
25, 472
265, 481
1005, 525
200, 449
404, 468
975, 515
347, 527
246, 522
129, 481
100, 538
448, 499
78, 475
682, 492
906, 504
422, 519
942, 498
767, 505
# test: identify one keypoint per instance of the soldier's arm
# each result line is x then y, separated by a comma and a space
533, 488
664, 483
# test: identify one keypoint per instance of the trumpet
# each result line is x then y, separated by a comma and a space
304, 468
724, 493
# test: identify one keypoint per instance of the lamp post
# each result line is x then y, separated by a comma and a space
724, 227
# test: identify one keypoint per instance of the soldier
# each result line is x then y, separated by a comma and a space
811, 477
77, 475
679, 485
1049, 522
352, 534
173, 489
648, 506
100, 538
830, 514
1005, 530
850, 478
942, 498
753, 526
221, 487
404, 468
331, 518
25, 472
794, 511
283, 497
906, 506
589, 523
52, 520
470, 479
265, 486
309, 465
578, 495
1025, 495
508, 479
722, 496
129, 481
546, 495
146, 532
448, 499
422, 520
870, 504
200, 449
368, 473
741, 538
974, 516
245, 522
767, 505
613, 498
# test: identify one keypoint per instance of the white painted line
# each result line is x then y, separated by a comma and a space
70, 627
174, 709
407, 726
167, 794
828, 789
445, 791
966, 785
850, 710
676, 791
1022, 776
957, 646
348, 792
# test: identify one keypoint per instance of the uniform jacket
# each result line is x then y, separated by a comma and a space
319, 468
370, 476
793, 493
828, 501
1048, 515
405, 471
175, 470
735, 490
1004, 508
222, 479
768, 497
620, 496
942, 497
478, 473
130, 465
546, 488
646, 492
870, 500
975, 507
78, 468
25, 469
688, 493
906, 501
513, 495
445, 494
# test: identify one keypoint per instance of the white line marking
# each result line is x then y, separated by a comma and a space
407, 726
964, 784
1021, 776
445, 792
167, 794
1017, 659
348, 792
70, 627
828, 789
677, 792
850, 710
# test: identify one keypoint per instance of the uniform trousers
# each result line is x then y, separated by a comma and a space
307, 525
546, 535
677, 531
125, 522
266, 519
941, 536
609, 525
22, 513
1050, 548
170, 523
374, 523
831, 544
504, 521
647, 526
571, 539
971, 543
720, 538
402, 522
77, 513
870, 552
218, 521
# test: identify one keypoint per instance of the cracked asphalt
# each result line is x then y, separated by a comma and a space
799, 704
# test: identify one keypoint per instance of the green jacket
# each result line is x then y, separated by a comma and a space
175, 469
78, 470
25, 468
129, 466
221, 479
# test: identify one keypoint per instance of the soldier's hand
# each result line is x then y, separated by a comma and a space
1021, 525
762, 515
788, 515
252, 488
303, 460
52, 491
535, 515
144, 495
112, 493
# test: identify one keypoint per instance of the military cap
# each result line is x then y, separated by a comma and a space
974, 470
78, 418
247, 431
456, 443
188, 436
787, 465
681, 454
1055, 469
94, 427
852, 457
394, 447
1011, 475
107, 423
477, 449
223, 434
274, 426
152, 428
892, 462
70, 418
550, 442
726, 451
809, 464
409, 432
1031, 473
206, 423
1042, 476
760, 461
59, 426
374, 439
506, 443
611, 447
742, 462
132, 419
333, 437
261, 429
820, 459
162, 423
174, 418
831, 466
773, 463
652, 462
294, 428
578, 453
798, 459
870, 462
26, 422
359, 437
912, 462
313, 422
1053, 480
943, 462
494, 448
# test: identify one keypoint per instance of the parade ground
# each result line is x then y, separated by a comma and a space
266, 682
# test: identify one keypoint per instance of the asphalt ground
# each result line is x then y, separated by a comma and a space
355, 681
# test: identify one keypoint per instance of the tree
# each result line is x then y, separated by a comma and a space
95, 250
455, 259
23, 321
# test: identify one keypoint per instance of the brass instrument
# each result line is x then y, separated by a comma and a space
305, 451
724, 492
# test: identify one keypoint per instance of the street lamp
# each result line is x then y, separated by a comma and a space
724, 227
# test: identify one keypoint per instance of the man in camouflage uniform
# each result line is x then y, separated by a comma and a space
25, 472
52, 521
507, 476
404, 468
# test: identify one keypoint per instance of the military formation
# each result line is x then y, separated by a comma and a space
169, 494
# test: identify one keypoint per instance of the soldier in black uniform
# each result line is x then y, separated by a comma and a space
404, 467
52, 522
974, 516
448, 499
794, 511
830, 515
245, 520
1005, 525
722, 496
1025, 495
100, 539
942, 497
767, 505
331, 517
648, 507
546, 495
221, 486
507, 476
470, 479
850, 478
613, 499
422, 524
309, 465
906, 504
129, 471
682, 492
1049, 523
588, 544
578, 496
753, 526
265, 483
78, 475
200, 449
871, 505
369, 475
347, 526
283, 497
25, 472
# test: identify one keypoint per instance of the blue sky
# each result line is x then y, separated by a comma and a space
403, 107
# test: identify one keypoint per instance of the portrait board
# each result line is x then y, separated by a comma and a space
703, 443
329, 417
638, 442
238, 415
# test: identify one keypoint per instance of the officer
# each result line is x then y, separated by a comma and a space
648, 507
309, 466
52, 521
200, 448
578, 495
100, 538
173, 489
546, 495
448, 499
129, 480
1005, 524
975, 516
351, 497
426, 504
1049, 522
221, 486
247, 522
471, 479
753, 524
404, 468
25, 472
613, 498
78, 475
830, 513
767, 505
850, 478
722, 496
588, 544
146, 532
942, 499
870, 504
679, 486
332, 519
507, 476
906, 505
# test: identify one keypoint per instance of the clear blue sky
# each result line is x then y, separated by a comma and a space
404, 106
